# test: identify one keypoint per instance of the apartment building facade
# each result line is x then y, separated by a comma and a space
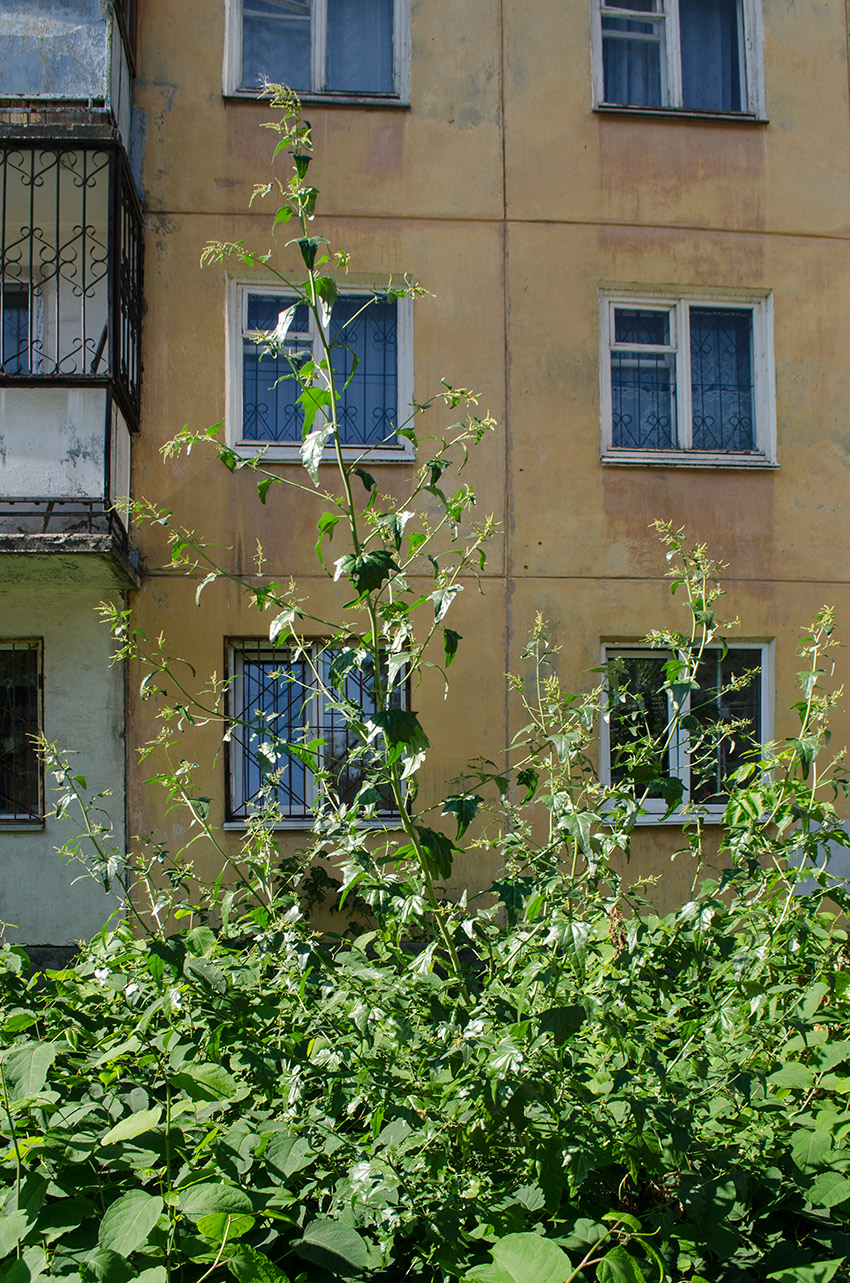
633, 220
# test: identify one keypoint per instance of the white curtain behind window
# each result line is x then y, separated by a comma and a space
711, 56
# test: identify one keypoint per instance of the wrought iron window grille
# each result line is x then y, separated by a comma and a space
21, 718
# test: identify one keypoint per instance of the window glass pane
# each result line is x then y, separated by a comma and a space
714, 702
638, 709
635, 325
711, 54
276, 694
276, 43
369, 405
15, 353
269, 386
360, 46
347, 758
722, 379
632, 61
643, 400
20, 774
361, 328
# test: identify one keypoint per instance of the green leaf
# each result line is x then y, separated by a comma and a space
528, 779
25, 1068
450, 641
815, 995
200, 941
490, 1273
330, 1243
327, 523
109, 1267
327, 293
793, 1074
212, 1196
400, 727
579, 825
436, 468
218, 1225
442, 599
206, 1082
288, 1154
308, 246
133, 1125
439, 851
562, 1022
128, 1222
250, 1266
810, 1148
828, 1190
529, 1258
13, 1226
464, 807
263, 487
366, 477
367, 571
281, 625
618, 1267
820, 1272
18, 1021
313, 449
65, 1214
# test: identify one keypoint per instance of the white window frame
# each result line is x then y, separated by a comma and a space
667, 18
760, 305
679, 762
232, 69
238, 293
261, 648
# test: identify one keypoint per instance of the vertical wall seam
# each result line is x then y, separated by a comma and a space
506, 386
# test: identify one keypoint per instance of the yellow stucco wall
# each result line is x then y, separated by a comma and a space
515, 203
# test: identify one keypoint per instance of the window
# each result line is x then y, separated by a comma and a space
283, 713
732, 686
687, 381
264, 410
688, 55
14, 304
327, 48
21, 799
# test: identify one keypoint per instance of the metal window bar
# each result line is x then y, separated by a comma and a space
21, 776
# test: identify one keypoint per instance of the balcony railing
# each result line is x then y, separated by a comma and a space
61, 517
70, 270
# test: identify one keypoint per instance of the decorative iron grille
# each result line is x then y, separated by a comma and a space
21, 779
70, 268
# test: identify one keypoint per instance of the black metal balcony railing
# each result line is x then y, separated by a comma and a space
70, 270
62, 516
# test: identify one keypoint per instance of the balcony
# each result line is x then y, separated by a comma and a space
70, 315
66, 63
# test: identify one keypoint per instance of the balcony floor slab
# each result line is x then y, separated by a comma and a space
65, 560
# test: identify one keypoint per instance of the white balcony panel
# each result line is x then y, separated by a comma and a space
52, 442
55, 49
119, 490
